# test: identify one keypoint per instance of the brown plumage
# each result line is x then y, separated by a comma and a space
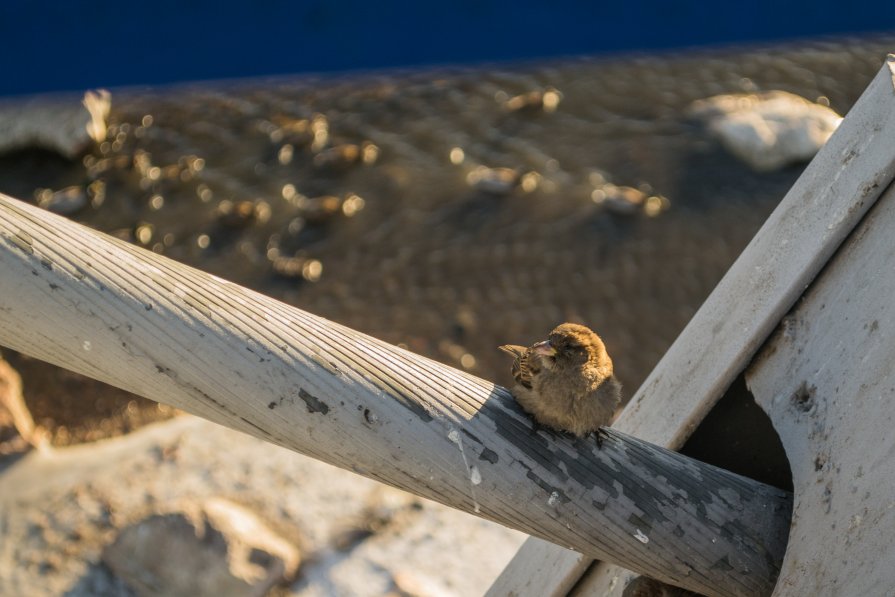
566, 382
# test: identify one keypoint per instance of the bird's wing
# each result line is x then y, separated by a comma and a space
521, 366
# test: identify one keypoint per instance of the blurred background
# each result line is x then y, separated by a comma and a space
447, 177
53, 46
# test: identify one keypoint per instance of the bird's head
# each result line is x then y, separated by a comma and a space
570, 345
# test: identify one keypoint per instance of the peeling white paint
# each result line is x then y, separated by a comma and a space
730, 496
641, 537
475, 476
553, 499
87, 346
564, 468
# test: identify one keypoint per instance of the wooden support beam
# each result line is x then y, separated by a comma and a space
142, 322
826, 380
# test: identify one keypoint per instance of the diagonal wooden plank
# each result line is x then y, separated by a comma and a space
826, 380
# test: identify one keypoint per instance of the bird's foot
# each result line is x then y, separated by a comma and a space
598, 435
537, 427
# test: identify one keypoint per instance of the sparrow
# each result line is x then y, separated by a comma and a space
566, 382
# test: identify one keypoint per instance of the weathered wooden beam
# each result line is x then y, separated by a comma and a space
826, 380
834, 192
142, 322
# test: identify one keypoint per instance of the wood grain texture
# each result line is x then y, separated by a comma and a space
827, 382
834, 192
142, 322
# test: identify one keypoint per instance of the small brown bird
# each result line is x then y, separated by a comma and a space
566, 382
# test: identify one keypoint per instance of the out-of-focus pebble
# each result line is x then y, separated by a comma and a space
546, 100
628, 200
769, 130
98, 104
295, 267
344, 156
242, 213
65, 202
317, 210
494, 181
58, 124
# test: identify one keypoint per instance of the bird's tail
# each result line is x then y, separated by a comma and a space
516, 351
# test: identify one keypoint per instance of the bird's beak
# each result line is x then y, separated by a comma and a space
544, 348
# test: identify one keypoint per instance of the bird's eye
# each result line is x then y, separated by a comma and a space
580, 351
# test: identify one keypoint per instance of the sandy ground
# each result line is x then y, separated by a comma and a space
59, 507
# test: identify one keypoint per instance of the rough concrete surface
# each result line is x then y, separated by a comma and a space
60, 508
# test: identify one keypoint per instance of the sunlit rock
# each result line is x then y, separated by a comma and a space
55, 123
768, 130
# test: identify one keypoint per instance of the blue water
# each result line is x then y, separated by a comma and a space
70, 45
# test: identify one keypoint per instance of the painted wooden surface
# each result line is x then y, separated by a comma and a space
145, 323
540, 568
605, 579
842, 182
827, 381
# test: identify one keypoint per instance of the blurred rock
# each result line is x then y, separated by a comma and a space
56, 123
768, 130
344, 156
61, 509
546, 100
242, 214
17, 431
493, 181
620, 200
319, 210
222, 550
98, 104
285, 129
295, 267
628, 201
66, 202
